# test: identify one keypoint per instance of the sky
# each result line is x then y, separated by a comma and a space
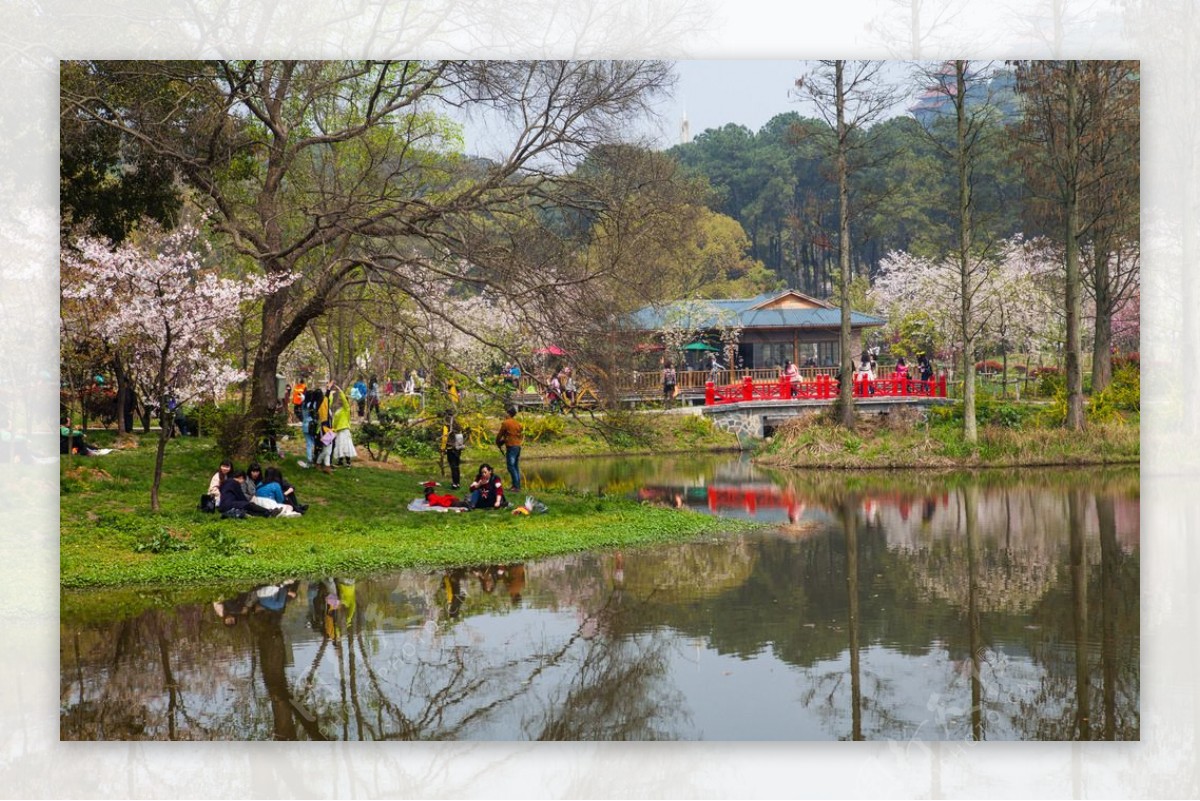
712, 93
716, 92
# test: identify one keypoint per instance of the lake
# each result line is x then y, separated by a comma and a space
907, 606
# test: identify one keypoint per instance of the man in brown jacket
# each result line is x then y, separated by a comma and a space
508, 440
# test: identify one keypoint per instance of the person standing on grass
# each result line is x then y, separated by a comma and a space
325, 434
453, 445
373, 398
298, 390
509, 439
358, 394
343, 443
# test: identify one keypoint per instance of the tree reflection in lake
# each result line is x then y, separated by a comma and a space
972, 608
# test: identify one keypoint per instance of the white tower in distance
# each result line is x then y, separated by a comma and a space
685, 130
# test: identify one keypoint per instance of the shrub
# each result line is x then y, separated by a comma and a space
989, 367
1050, 380
231, 428
395, 432
695, 428
544, 427
1004, 415
1124, 394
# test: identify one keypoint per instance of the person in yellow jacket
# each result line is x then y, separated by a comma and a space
343, 442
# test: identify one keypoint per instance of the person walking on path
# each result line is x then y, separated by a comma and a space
509, 439
668, 378
792, 372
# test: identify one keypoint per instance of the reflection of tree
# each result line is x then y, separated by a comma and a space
616, 692
850, 526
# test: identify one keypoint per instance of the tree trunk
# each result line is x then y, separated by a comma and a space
846, 374
970, 429
123, 390
1074, 355
167, 418
1102, 346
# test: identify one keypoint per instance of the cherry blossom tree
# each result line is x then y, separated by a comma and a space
156, 300
1015, 301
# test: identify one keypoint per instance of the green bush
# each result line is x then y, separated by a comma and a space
230, 426
1124, 394
696, 427
395, 432
1051, 381
544, 427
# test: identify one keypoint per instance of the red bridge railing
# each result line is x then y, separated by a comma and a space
821, 387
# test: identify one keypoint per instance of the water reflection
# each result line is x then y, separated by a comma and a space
965, 608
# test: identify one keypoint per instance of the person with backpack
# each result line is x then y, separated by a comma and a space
313, 399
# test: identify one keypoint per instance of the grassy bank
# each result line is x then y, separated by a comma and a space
905, 441
357, 523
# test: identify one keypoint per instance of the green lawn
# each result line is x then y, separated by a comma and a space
357, 522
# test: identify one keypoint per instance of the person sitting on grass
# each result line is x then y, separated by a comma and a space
233, 496
487, 490
437, 499
70, 440
269, 495
214, 483
252, 480
275, 476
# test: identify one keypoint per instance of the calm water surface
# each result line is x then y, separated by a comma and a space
907, 607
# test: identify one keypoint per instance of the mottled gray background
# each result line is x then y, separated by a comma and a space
1164, 34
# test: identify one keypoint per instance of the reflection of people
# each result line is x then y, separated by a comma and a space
452, 583
270, 597
514, 582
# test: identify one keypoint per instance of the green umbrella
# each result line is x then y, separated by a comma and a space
700, 346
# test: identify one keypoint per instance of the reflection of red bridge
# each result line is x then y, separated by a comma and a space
752, 498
